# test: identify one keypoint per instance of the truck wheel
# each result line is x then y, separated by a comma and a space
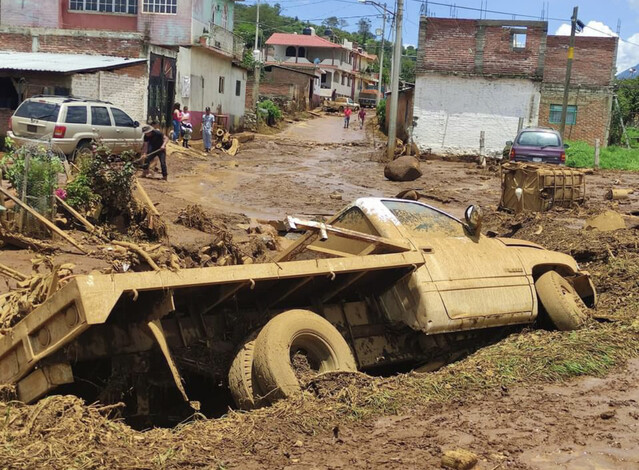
242, 383
291, 333
564, 307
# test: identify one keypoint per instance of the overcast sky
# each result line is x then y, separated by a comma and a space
603, 17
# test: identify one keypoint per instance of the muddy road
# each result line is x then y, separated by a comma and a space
521, 416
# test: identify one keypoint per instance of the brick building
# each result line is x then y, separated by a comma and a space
190, 52
294, 89
488, 75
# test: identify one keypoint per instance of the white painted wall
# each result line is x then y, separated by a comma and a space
453, 110
205, 68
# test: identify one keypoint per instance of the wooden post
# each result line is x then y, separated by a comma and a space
482, 148
23, 193
597, 149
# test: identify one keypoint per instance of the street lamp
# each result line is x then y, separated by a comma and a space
385, 11
397, 55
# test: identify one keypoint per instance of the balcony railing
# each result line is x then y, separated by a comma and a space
225, 41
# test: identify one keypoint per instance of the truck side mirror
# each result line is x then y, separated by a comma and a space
509, 142
474, 217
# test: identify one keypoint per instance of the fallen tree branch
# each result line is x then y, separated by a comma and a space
12, 273
138, 250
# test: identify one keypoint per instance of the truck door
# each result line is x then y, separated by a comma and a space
479, 280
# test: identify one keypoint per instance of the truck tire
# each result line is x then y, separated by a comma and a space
288, 333
242, 383
560, 300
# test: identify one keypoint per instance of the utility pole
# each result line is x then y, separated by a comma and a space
397, 57
256, 59
381, 59
571, 53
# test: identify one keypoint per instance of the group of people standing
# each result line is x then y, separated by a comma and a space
182, 126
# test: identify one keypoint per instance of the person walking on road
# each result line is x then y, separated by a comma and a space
207, 128
177, 121
154, 146
187, 127
360, 117
347, 117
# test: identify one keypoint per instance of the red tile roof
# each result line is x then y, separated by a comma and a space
285, 39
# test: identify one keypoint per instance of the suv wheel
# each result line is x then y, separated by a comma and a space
82, 153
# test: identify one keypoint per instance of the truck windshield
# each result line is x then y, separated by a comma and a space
422, 220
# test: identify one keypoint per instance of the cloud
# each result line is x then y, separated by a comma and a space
634, 4
627, 53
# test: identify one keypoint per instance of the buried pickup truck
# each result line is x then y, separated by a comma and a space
385, 282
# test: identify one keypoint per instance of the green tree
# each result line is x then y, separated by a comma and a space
628, 97
363, 29
334, 22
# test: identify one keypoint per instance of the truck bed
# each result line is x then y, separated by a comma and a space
92, 299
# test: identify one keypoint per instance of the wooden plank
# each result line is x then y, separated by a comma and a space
88, 225
328, 251
50, 225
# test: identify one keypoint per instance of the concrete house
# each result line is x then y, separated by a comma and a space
342, 67
492, 76
135, 48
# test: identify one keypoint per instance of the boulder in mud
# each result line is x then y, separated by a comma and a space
404, 168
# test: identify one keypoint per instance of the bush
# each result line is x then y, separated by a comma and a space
42, 173
271, 109
381, 114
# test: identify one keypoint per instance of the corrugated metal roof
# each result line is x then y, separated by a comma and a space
62, 63
286, 39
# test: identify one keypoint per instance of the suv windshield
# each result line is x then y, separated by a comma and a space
38, 110
539, 139
423, 220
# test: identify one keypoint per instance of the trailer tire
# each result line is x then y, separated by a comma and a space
560, 300
287, 333
242, 383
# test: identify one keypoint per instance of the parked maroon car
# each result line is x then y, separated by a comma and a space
538, 145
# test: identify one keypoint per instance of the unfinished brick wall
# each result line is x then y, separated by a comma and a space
593, 112
72, 42
593, 63
480, 47
283, 85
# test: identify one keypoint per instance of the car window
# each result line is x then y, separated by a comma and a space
76, 115
38, 110
100, 116
539, 139
352, 219
121, 118
422, 220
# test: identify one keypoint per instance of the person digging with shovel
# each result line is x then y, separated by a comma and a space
154, 146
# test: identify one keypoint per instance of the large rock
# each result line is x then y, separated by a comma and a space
404, 168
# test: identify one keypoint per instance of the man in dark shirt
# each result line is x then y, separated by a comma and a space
154, 146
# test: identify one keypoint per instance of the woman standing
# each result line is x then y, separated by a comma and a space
207, 128
177, 121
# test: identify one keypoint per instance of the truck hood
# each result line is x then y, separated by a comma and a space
518, 242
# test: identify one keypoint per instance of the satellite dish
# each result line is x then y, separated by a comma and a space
379, 32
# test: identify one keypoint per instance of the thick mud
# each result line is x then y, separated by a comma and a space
313, 169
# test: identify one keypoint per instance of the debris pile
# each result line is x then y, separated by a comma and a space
193, 216
32, 290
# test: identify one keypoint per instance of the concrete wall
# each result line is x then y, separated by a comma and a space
167, 29
125, 88
288, 88
453, 110
42, 13
204, 69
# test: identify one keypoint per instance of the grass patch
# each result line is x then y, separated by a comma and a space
582, 155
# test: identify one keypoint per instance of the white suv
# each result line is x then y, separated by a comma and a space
71, 124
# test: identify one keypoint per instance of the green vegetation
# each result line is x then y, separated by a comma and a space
41, 175
381, 113
582, 155
627, 92
270, 110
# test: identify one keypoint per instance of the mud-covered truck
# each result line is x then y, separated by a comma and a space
384, 283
